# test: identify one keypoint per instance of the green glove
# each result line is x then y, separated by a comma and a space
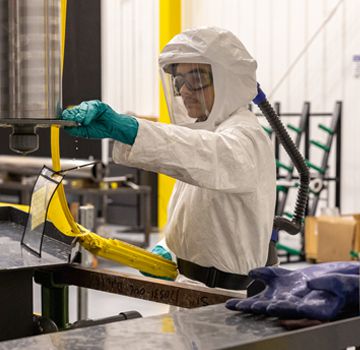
159, 250
97, 121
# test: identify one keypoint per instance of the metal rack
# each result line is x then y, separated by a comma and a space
321, 171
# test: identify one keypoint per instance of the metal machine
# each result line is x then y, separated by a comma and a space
30, 69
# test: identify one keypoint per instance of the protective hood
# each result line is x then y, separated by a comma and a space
233, 69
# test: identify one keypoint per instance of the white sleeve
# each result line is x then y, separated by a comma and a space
226, 160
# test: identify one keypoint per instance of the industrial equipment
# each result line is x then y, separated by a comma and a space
16, 167
30, 69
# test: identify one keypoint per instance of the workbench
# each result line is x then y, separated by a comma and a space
56, 269
202, 323
210, 327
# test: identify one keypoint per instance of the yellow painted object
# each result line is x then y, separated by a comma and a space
22, 207
169, 26
121, 252
117, 251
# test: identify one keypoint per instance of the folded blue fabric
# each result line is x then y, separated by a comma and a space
323, 292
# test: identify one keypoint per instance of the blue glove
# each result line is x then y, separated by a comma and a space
332, 296
159, 250
97, 120
322, 291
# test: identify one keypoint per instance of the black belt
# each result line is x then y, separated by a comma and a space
212, 277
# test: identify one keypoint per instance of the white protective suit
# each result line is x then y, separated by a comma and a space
222, 206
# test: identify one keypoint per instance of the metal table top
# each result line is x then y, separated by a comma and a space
210, 327
57, 249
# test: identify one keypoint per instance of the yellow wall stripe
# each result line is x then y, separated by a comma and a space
169, 26
63, 28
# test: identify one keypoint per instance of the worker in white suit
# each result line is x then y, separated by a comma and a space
221, 211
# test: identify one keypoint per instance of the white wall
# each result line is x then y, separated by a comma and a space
276, 32
130, 49
320, 39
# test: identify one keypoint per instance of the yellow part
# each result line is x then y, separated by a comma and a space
169, 26
121, 252
114, 185
118, 251
21, 207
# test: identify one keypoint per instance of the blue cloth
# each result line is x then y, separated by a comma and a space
96, 120
323, 292
159, 250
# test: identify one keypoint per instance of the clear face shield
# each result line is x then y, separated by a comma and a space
189, 92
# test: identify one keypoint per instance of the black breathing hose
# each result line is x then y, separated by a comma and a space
280, 223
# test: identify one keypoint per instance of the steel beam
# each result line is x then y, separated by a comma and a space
166, 292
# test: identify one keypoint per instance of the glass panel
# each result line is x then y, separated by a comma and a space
44, 188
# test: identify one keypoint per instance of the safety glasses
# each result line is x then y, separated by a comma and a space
189, 91
194, 80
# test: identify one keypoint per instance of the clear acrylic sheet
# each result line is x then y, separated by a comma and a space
44, 188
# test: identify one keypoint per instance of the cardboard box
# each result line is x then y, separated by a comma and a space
331, 238
357, 234
311, 237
